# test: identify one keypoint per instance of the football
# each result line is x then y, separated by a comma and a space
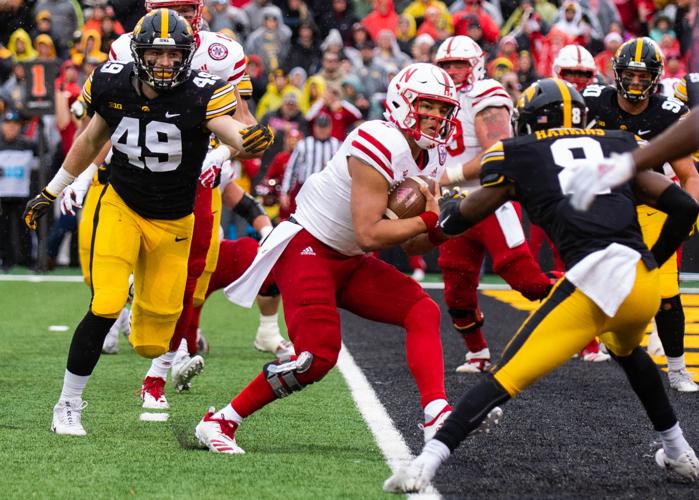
405, 199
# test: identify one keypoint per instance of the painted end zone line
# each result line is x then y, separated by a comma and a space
388, 438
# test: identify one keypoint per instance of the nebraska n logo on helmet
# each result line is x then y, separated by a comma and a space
640, 55
412, 85
550, 103
159, 30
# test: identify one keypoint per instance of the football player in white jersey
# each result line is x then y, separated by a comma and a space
223, 58
575, 65
322, 261
484, 119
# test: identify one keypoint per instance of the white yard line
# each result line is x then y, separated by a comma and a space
390, 441
41, 278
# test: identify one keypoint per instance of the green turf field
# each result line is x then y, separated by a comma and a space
312, 445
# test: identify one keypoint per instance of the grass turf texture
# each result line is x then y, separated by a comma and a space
311, 445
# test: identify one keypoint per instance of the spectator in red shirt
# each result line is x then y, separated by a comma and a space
490, 29
342, 114
603, 60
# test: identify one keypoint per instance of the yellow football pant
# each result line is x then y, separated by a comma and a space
651, 221
85, 227
566, 321
212, 254
155, 251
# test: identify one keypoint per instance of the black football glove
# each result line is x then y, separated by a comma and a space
451, 222
257, 138
37, 207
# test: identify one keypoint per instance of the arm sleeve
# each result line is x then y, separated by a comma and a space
682, 213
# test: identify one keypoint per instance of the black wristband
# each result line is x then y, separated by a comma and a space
248, 208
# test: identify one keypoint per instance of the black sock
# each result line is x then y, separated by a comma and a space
648, 386
670, 322
86, 347
470, 411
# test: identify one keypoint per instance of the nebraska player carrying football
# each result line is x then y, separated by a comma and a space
319, 263
484, 119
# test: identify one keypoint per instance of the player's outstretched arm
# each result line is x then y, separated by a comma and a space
86, 146
243, 141
458, 213
248, 208
682, 139
658, 191
369, 201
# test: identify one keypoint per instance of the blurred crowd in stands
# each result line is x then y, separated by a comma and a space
318, 67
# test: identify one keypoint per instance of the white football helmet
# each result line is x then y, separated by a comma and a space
462, 48
198, 5
414, 83
575, 65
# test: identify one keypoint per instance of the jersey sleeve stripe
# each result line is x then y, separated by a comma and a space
239, 63
361, 147
87, 90
224, 110
489, 159
223, 90
112, 54
375, 142
500, 93
236, 76
494, 182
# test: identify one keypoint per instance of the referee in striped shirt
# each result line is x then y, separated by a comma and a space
310, 156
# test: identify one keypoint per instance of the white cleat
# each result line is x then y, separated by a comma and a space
66, 417
153, 394
185, 370
655, 346
682, 381
686, 465
413, 478
217, 434
269, 339
430, 428
596, 357
491, 420
476, 362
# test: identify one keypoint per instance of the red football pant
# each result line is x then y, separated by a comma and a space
461, 259
537, 238
201, 239
234, 257
313, 287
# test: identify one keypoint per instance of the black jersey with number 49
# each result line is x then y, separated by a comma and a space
604, 112
159, 144
539, 166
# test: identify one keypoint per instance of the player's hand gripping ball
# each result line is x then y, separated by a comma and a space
405, 199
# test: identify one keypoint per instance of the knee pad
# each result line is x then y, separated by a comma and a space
281, 376
466, 320
150, 351
109, 303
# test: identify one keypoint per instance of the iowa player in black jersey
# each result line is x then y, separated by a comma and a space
159, 115
611, 283
634, 105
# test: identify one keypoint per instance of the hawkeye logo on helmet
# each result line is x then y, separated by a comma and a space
164, 41
634, 64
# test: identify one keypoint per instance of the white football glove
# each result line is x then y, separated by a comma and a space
74, 193
212, 166
591, 179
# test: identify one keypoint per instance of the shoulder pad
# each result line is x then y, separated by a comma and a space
224, 57
489, 93
120, 50
378, 144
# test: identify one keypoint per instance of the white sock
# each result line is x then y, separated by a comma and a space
182, 352
676, 364
122, 322
160, 365
434, 408
269, 325
433, 454
73, 386
229, 413
674, 442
